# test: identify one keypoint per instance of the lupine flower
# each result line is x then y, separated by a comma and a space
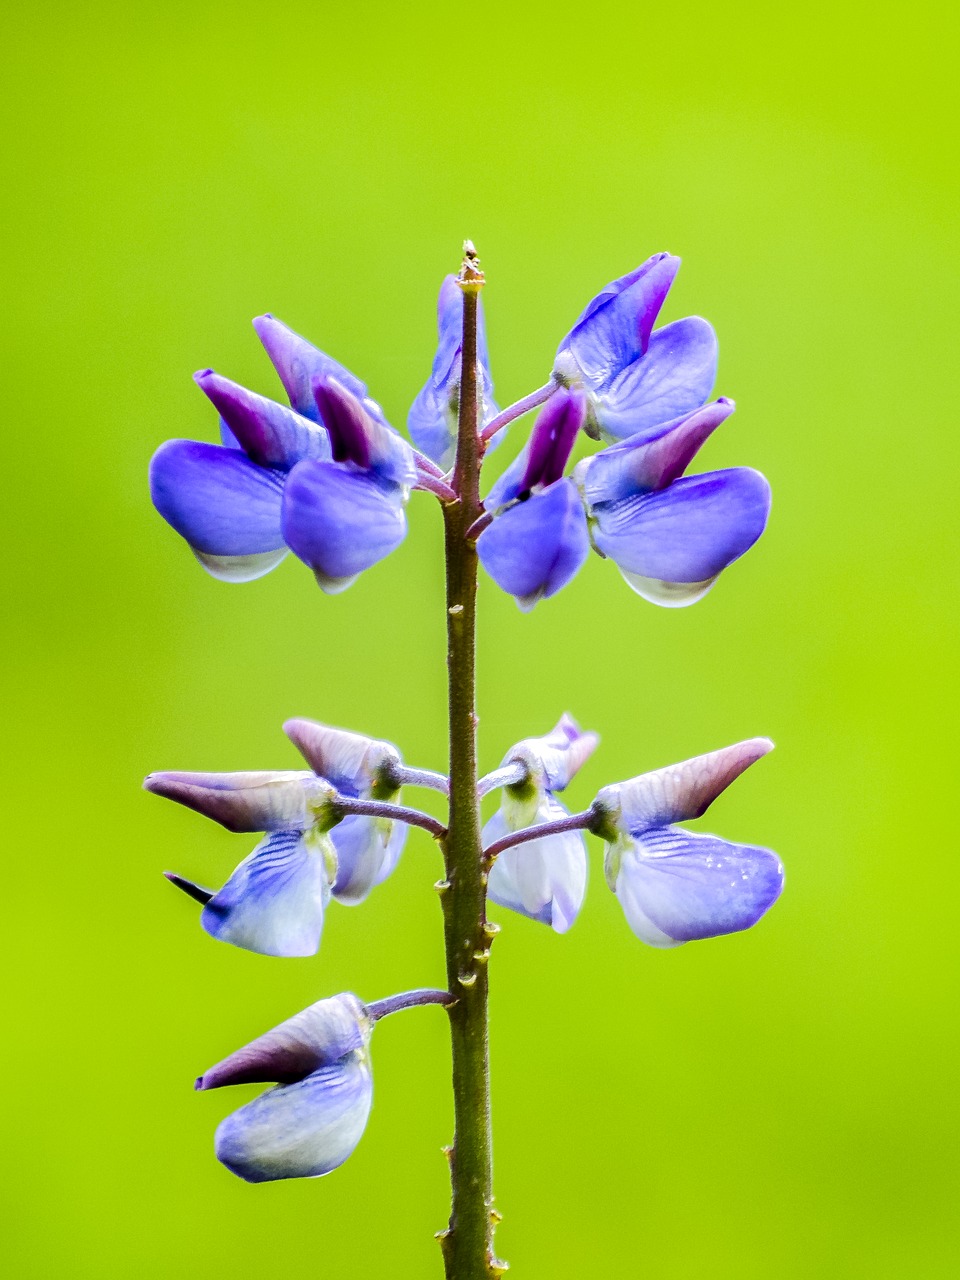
326, 478
275, 901
670, 536
311, 1121
432, 421
544, 879
676, 885
634, 377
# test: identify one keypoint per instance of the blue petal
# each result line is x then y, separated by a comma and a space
686, 534
546, 453
261, 801
368, 850
224, 505
535, 548
298, 362
650, 459
432, 424
316, 1037
545, 879
614, 329
274, 901
351, 762
340, 521
676, 886
300, 1130
678, 792
553, 760
270, 434
359, 438
432, 421
675, 375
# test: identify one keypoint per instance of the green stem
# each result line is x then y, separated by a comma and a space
468, 1241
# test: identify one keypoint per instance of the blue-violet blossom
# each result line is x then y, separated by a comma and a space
545, 879
274, 902
669, 535
313, 1118
635, 377
327, 478
675, 885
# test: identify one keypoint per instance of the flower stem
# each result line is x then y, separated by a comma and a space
532, 401
346, 806
572, 822
468, 1241
508, 775
378, 1009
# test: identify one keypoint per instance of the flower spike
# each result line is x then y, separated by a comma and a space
546, 878
674, 885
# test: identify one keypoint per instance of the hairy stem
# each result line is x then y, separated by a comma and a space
468, 1241
571, 822
378, 1009
532, 401
345, 806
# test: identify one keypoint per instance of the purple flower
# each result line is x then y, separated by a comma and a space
670, 536
675, 885
432, 421
327, 478
275, 901
311, 1121
544, 879
635, 377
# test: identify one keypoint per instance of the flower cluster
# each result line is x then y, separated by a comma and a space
329, 479
674, 886
326, 477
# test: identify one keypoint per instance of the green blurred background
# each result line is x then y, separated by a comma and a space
782, 1103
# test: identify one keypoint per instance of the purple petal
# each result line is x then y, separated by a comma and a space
546, 453
339, 521
351, 762
224, 505
343, 416
676, 886
650, 460
368, 850
535, 548
432, 421
318, 1036
300, 1130
274, 901
270, 434
679, 792
543, 879
261, 801
298, 362
683, 536
615, 327
675, 375
553, 760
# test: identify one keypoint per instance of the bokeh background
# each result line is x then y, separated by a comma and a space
780, 1103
